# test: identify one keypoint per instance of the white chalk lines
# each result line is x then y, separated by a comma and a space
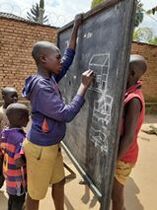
101, 118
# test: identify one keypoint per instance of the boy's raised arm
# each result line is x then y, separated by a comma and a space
73, 38
70, 51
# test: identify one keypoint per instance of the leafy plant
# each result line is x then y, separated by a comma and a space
153, 41
143, 35
36, 13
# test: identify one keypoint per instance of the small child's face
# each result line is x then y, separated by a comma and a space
136, 71
10, 97
53, 62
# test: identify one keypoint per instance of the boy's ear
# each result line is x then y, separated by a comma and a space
43, 59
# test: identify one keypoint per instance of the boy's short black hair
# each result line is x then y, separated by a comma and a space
16, 112
135, 60
42, 48
7, 90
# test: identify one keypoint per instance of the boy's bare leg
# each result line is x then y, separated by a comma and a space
58, 195
117, 196
31, 204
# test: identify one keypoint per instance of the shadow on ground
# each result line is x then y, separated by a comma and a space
132, 201
88, 199
68, 204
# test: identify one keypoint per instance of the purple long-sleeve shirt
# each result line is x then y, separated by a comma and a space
47, 104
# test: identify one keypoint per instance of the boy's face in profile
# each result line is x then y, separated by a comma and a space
136, 71
10, 97
53, 62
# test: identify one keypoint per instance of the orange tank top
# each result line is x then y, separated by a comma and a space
134, 92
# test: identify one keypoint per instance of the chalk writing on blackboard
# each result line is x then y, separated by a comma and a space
67, 43
100, 64
88, 35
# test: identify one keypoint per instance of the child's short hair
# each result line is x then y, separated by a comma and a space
16, 112
136, 59
41, 48
6, 90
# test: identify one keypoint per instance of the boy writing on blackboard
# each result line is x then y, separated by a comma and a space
49, 118
132, 119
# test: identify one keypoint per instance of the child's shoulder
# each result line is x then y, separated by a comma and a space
14, 135
37, 82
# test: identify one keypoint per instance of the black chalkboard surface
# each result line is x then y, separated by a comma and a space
103, 45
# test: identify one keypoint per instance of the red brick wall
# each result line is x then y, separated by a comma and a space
16, 41
150, 78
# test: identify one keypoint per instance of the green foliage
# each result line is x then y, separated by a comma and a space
136, 36
143, 35
96, 3
139, 13
36, 13
42, 4
153, 41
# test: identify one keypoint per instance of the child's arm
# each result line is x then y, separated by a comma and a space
20, 162
73, 38
19, 154
55, 107
1, 118
133, 110
70, 51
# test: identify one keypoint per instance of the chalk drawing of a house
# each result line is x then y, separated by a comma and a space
100, 64
102, 109
99, 139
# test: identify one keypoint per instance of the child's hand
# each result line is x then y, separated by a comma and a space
78, 20
20, 162
87, 78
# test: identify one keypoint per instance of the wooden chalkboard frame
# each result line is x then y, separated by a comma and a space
104, 197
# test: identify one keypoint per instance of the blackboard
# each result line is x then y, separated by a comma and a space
103, 45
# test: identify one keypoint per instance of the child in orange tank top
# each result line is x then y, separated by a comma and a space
132, 119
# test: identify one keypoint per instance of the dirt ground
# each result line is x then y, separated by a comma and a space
140, 192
